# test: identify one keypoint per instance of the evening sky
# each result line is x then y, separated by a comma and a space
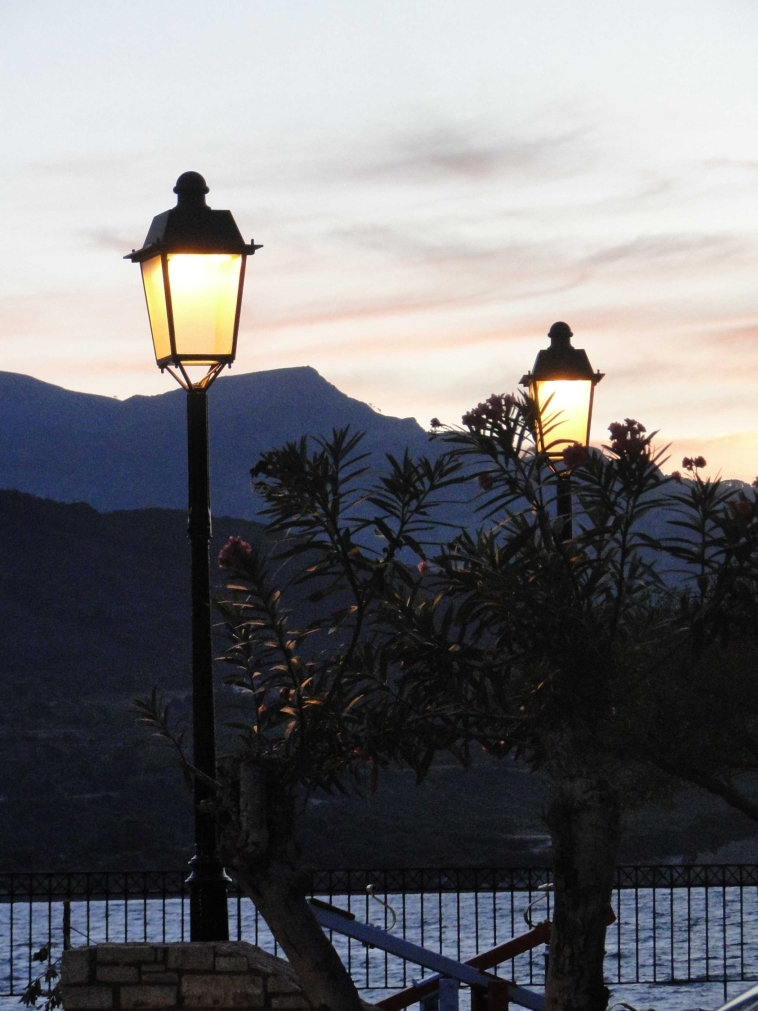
434, 184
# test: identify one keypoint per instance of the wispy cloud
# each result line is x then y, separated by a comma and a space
470, 153
682, 250
103, 238
741, 164
740, 336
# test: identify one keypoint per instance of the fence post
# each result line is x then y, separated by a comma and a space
448, 995
66, 924
497, 995
478, 998
431, 1002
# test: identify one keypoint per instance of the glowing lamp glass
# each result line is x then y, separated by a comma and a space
565, 409
155, 296
193, 303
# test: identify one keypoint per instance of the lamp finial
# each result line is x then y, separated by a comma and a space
560, 334
190, 190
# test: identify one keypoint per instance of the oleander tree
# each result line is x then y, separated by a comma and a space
370, 628
554, 637
503, 635
702, 709
302, 617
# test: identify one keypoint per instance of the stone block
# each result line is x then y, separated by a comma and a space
117, 974
230, 963
76, 965
148, 996
232, 947
265, 963
282, 984
87, 998
125, 954
228, 991
107, 954
159, 977
290, 1002
197, 955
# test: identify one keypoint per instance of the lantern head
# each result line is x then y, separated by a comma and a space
193, 271
562, 385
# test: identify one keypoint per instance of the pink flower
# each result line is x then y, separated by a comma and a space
575, 455
423, 566
509, 401
755, 483
486, 481
488, 414
627, 437
693, 462
234, 554
741, 506
435, 423
676, 475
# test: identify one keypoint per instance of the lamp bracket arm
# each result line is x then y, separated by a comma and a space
186, 382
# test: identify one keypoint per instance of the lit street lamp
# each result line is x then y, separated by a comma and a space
562, 385
193, 271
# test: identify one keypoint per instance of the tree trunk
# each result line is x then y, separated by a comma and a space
257, 842
584, 818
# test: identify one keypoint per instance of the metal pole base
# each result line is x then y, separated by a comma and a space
208, 882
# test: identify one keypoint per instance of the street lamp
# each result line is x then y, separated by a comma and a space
562, 386
193, 271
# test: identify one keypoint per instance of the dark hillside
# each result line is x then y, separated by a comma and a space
94, 609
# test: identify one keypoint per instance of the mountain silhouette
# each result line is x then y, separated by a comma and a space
131, 454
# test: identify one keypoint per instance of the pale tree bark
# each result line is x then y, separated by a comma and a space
584, 818
257, 843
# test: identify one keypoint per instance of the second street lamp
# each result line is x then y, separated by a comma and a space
562, 385
193, 272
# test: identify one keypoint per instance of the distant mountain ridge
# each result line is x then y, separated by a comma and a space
131, 454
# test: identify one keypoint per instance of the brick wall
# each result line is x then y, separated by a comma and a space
202, 976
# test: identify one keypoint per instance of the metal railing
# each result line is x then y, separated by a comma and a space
674, 924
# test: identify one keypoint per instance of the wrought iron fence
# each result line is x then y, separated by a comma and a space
674, 924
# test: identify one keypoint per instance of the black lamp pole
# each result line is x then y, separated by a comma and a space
207, 882
563, 504
193, 271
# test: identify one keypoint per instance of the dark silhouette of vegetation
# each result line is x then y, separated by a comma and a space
509, 637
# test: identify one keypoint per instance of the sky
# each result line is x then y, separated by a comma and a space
435, 182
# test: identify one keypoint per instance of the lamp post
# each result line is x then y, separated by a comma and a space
193, 271
562, 385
